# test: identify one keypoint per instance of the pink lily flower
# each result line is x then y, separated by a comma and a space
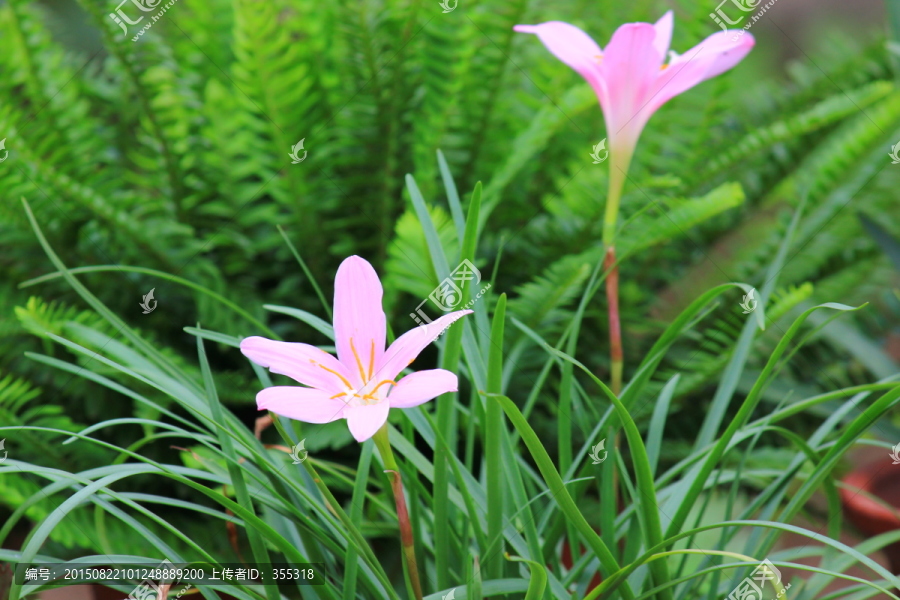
631, 77
360, 384
632, 81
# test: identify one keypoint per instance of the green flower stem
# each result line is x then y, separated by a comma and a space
406, 533
618, 171
616, 357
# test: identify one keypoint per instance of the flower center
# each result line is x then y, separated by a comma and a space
368, 392
365, 395
672, 57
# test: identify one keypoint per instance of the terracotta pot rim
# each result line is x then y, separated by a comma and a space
866, 478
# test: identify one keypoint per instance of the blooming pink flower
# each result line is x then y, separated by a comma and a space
360, 384
631, 77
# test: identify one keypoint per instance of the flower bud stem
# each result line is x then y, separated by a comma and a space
406, 534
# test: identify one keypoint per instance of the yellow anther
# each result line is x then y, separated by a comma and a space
333, 372
381, 383
362, 373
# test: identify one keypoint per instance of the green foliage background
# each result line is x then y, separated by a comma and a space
171, 154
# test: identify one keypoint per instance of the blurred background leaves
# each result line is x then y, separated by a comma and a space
171, 153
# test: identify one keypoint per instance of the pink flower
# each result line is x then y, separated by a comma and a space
631, 77
359, 385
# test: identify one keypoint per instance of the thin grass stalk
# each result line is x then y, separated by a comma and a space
493, 434
235, 474
445, 410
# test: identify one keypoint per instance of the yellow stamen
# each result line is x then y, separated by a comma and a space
391, 381
362, 373
372, 360
338, 395
332, 371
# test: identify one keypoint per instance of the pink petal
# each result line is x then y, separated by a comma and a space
359, 322
570, 45
407, 347
663, 39
422, 386
301, 404
365, 420
629, 69
713, 56
301, 362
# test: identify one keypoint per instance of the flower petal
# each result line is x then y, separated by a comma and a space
663, 39
422, 386
629, 71
407, 347
569, 44
301, 362
365, 420
301, 404
713, 56
359, 322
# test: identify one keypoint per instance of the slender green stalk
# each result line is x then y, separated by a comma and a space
236, 475
564, 425
616, 357
617, 175
618, 172
445, 410
406, 534
356, 514
168, 277
493, 436
306, 271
